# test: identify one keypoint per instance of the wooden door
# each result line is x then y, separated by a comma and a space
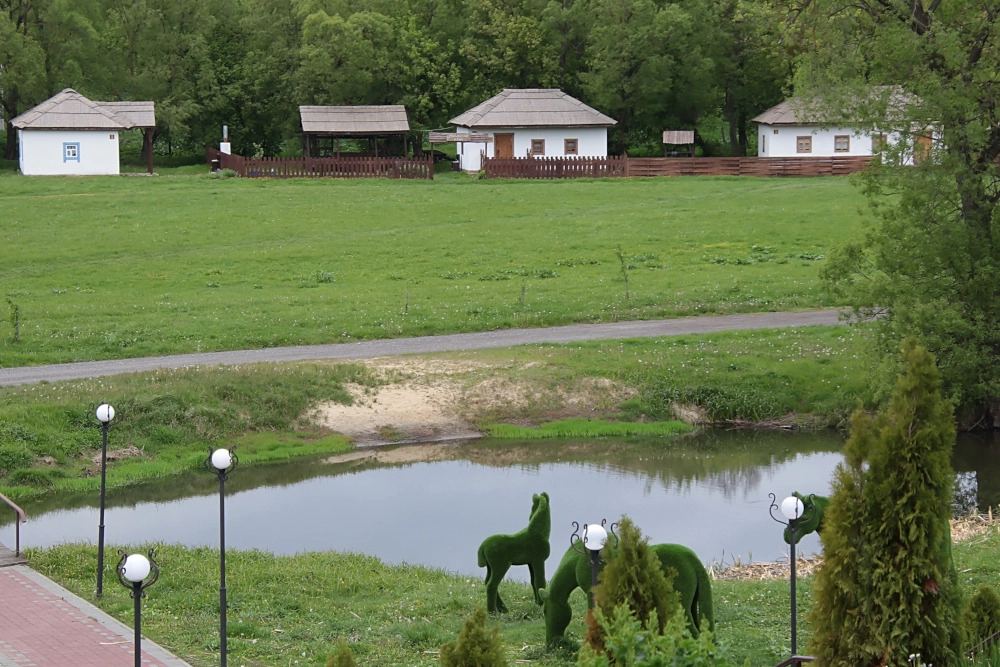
922, 147
504, 145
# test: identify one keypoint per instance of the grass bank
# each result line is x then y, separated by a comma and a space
293, 610
49, 441
113, 267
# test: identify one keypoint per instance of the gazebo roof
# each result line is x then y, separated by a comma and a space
69, 110
532, 107
140, 114
355, 120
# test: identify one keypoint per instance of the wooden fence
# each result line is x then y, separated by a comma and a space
555, 167
576, 167
320, 167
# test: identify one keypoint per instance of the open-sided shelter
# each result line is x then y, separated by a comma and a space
69, 134
532, 122
323, 127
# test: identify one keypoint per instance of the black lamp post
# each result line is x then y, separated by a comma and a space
222, 462
132, 572
793, 510
595, 536
104, 413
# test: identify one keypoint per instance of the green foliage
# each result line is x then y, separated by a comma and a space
587, 428
13, 457
887, 588
633, 577
342, 657
477, 646
928, 267
981, 615
631, 642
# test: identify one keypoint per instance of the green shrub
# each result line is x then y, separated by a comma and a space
633, 578
35, 478
342, 657
13, 457
887, 589
629, 642
981, 615
477, 646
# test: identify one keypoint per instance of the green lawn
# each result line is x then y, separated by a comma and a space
110, 267
288, 609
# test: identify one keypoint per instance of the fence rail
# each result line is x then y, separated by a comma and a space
323, 167
555, 167
576, 167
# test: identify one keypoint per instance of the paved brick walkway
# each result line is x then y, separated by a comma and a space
44, 625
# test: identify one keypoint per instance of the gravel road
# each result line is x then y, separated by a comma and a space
424, 344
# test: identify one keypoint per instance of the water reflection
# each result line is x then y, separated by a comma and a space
708, 492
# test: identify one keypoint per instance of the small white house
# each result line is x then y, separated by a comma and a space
68, 134
796, 128
532, 122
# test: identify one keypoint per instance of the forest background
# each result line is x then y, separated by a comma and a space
248, 64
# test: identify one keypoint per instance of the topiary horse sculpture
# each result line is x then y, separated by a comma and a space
814, 507
528, 547
691, 583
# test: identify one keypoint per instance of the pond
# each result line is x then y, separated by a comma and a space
709, 492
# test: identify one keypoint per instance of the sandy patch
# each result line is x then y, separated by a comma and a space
425, 400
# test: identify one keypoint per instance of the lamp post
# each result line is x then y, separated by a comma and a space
104, 413
595, 536
793, 510
132, 572
222, 462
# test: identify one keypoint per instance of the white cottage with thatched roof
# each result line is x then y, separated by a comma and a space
69, 134
532, 122
799, 127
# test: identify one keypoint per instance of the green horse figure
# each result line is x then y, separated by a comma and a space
528, 547
814, 507
691, 582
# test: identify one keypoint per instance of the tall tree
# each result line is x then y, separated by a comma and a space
930, 267
887, 589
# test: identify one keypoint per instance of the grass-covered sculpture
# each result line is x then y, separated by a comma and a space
528, 547
813, 509
691, 583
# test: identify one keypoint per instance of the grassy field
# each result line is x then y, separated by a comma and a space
287, 611
112, 267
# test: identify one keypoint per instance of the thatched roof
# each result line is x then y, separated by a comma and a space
140, 114
355, 120
532, 107
889, 102
69, 110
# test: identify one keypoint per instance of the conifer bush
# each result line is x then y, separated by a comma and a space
887, 589
477, 646
342, 657
981, 615
633, 577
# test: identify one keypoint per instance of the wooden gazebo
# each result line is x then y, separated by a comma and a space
323, 127
142, 117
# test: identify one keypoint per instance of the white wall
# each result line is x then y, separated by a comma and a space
781, 141
591, 142
42, 152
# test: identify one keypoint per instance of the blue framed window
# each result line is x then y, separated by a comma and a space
71, 151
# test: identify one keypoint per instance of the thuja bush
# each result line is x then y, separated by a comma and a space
887, 589
629, 641
477, 646
633, 578
342, 657
981, 615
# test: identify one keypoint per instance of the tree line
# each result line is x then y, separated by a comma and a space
650, 64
